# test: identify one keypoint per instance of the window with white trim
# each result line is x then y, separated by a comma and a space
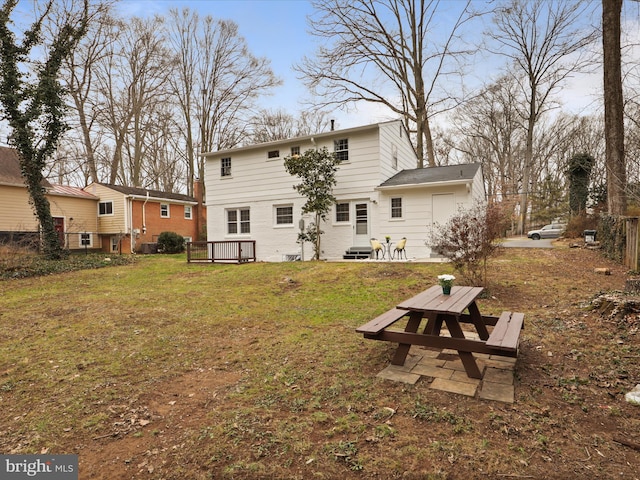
341, 149
342, 212
295, 151
238, 221
164, 210
225, 167
394, 157
284, 215
105, 208
85, 240
188, 212
396, 207
273, 154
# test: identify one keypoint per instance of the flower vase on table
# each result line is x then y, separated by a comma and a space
446, 282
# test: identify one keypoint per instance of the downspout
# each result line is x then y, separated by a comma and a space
144, 215
132, 237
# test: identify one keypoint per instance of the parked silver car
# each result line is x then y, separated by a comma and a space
553, 230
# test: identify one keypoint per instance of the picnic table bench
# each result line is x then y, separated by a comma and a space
448, 309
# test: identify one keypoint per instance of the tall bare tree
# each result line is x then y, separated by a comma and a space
217, 83
613, 107
546, 43
383, 51
133, 85
271, 125
489, 128
79, 80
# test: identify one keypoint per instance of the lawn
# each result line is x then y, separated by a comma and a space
164, 370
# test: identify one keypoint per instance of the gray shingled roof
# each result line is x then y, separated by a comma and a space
142, 192
420, 176
10, 172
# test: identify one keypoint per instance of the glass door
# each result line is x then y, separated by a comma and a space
361, 229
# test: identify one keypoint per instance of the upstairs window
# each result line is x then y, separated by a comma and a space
164, 210
295, 151
273, 154
187, 212
394, 157
105, 208
396, 207
225, 167
341, 149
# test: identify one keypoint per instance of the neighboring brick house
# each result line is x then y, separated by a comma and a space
102, 217
131, 219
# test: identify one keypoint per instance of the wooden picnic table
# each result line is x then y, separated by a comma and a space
438, 308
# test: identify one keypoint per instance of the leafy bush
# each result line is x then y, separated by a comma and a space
170, 242
468, 239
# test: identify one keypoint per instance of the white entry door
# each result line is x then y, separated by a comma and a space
361, 226
444, 207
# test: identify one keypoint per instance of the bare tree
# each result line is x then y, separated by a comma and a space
79, 79
132, 81
217, 83
546, 43
382, 51
489, 128
271, 125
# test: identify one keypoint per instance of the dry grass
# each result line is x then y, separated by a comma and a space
167, 370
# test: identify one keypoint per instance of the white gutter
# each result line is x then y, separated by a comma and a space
425, 185
159, 199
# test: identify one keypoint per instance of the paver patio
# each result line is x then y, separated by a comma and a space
444, 371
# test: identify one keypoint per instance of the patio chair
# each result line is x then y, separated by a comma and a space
400, 248
377, 247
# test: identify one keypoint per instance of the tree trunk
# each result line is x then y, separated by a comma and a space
613, 108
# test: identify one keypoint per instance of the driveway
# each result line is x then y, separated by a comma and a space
524, 242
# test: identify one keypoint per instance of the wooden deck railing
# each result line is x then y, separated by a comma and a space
227, 251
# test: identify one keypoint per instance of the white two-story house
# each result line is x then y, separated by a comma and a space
379, 192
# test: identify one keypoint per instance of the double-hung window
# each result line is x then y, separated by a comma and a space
86, 240
164, 210
187, 212
225, 167
238, 221
341, 149
396, 207
342, 212
284, 215
105, 208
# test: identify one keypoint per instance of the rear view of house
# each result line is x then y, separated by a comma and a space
379, 193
